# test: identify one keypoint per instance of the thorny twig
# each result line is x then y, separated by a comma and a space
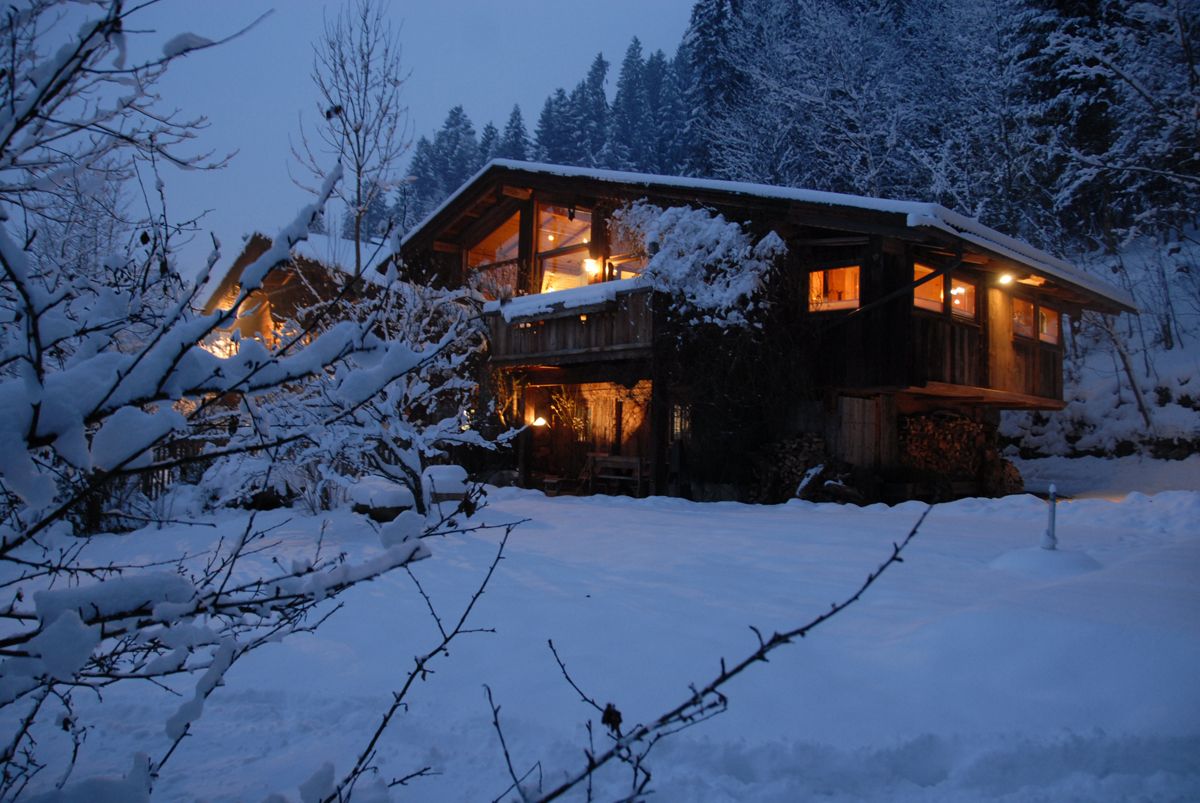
708, 701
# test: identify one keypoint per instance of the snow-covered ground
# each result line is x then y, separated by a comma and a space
981, 668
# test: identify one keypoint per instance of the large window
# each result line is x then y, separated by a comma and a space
492, 262
563, 250
833, 289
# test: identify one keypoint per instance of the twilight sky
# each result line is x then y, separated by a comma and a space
483, 54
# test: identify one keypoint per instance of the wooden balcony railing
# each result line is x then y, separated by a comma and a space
620, 327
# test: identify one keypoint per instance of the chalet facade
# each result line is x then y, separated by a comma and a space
316, 273
894, 333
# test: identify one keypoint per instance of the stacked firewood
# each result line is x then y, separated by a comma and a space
953, 447
780, 467
944, 444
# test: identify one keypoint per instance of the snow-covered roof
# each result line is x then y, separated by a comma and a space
573, 298
336, 253
917, 215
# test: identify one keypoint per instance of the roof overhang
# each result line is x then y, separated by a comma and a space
915, 221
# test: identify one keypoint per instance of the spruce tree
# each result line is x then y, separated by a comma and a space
514, 142
626, 147
705, 44
489, 141
555, 143
588, 115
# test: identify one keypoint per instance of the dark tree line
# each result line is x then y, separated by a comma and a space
1074, 124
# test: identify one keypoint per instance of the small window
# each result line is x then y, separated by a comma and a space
1022, 317
1047, 325
962, 298
931, 294
833, 289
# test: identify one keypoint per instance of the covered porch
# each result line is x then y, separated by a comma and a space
588, 437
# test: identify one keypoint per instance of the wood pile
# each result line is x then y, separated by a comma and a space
944, 444
779, 467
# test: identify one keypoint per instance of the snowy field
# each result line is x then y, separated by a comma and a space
979, 669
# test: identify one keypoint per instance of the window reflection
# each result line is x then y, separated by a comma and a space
962, 298
1022, 317
1047, 325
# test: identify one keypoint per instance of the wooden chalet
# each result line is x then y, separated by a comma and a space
895, 333
315, 274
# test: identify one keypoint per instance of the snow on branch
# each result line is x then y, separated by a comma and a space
711, 268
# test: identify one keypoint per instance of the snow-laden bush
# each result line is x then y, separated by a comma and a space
710, 267
101, 370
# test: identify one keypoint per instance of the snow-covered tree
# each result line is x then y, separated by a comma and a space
629, 119
555, 142
588, 115
489, 141
514, 142
98, 376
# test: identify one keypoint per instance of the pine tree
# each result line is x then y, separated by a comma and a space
662, 111
626, 147
588, 115
711, 79
489, 140
456, 150
514, 142
555, 143
425, 182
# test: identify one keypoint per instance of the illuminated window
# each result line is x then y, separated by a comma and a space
833, 289
1022, 317
492, 262
1047, 325
930, 295
962, 298
499, 246
563, 251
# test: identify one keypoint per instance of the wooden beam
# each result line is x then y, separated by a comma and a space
984, 396
520, 193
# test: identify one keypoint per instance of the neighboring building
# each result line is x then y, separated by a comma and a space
317, 272
858, 362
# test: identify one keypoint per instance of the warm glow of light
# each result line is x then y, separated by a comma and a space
539, 422
550, 237
1006, 278
592, 267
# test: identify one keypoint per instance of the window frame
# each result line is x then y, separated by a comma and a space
837, 306
1036, 321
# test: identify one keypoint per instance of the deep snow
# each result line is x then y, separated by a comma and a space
979, 669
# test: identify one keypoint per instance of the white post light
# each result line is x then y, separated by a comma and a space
1049, 538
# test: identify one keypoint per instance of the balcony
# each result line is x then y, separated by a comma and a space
605, 321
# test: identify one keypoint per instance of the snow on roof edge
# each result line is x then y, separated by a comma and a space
317, 248
562, 300
917, 214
